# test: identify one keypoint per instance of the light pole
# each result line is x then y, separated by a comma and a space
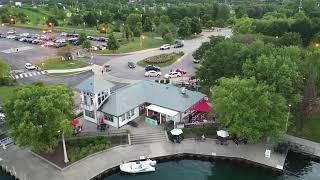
51, 26
289, 106
65, 155
141, 38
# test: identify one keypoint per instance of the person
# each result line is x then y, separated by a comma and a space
203, 137
102, 71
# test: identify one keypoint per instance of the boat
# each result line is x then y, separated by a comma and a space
140, 166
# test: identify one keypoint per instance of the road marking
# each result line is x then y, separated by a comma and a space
30, 74
34, 73
25, 74
38, 73
42, 72
17, 77
21, 75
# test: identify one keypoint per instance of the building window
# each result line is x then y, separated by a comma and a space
99, 101
132, 112
85, 99
128, 115
91, 101
108, 117
89, 113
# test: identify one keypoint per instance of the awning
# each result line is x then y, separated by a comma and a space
203, 106
176, 132
162, 110
222, 133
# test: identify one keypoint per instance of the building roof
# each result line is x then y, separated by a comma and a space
94, 84
163, 95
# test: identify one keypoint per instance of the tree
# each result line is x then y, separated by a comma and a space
185, 28
279, 70
82, 38
86, 44
163, 29
76, 19
168, 38
164, 19
65, 53
36, 114
147, 25
244, 26
290, 39
134, 23
302, 25
249, 110
223, 12
90, 19
195, 26
52, 20
241, 11
113, 43
22, 17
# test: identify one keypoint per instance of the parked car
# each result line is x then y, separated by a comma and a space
172, 75
76, 43
178, 45
61, 44
30, 66
196, 61
24, 34
36, 41
2, 35
165, 46
131, 65
2, 116
181, 71
101, 47
152, 68
11, 32
11, 36
94, 48
152, 73
63, 34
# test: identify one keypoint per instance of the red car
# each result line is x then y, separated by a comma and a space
181, 71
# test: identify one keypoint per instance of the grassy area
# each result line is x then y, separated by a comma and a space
161, 60
146, 43
57, 63
80, 148
311, 130
35, 16
6, 92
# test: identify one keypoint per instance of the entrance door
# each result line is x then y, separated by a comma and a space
142, 110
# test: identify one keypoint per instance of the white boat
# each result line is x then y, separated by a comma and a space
139, 166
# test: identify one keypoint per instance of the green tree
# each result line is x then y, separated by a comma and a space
241, 11
168, 38
164, 19
76, 19
134, 23
195, 26
37, 113
82, 37
52, 20
185, 28
163, 29
302, 25
249, 110
290, 39
90, 19
86, 44
147, 25
113, 43
244, 26
223, 12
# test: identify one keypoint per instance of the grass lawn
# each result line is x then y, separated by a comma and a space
161, 60
311, 130
6, 92
65, 74
57, 63
146, 43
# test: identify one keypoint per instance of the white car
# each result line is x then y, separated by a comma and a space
22, 39
24, 34
63, 34
165, 46
11, 37
2, 116
152, 73
30, 66
11, 32
172, 75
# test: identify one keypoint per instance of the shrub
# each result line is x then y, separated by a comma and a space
163, 58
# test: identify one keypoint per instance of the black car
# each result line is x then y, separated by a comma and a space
178, 45
152, 68
62, 44
131, 65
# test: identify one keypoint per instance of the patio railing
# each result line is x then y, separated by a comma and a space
108, 133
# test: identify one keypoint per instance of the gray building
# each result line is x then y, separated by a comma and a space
158, 102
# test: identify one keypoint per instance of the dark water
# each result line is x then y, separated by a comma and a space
297, 167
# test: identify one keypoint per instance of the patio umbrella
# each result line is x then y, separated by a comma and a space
176, 132
222, 133
75, 123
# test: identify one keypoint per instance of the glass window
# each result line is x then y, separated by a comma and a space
122, 117
132, 112
91, 101
128, 115
89, 113
108, 117
85, 99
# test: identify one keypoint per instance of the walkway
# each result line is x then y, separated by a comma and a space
31, 167
304, 145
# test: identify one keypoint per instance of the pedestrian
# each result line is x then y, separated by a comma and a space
102, 71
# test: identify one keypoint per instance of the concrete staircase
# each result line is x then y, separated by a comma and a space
148, 136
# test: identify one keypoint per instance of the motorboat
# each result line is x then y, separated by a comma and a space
140, 166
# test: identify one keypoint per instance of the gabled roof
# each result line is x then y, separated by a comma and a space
94, 84
163, 95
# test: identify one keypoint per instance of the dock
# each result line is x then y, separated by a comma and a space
28, 166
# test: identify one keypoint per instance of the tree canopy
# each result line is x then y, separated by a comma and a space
250, 110
36, 114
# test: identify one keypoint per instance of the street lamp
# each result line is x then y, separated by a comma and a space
65, 155
289, 106
51, 26
317, 45
141, 38
104, 30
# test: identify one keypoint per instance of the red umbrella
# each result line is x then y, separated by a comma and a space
203, 106
75, 123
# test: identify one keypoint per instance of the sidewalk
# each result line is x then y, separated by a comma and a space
30, 167
129, 53
304, 145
